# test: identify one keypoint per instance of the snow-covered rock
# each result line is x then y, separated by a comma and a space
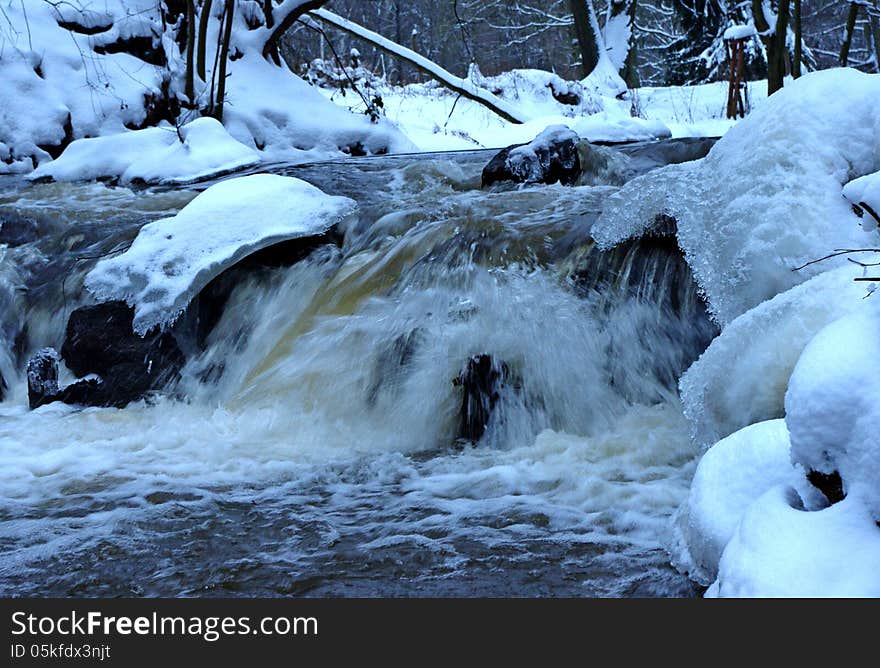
864, 193
742, 376
550, 157
832, 407
767, 198
729, 478
153, 155
172, 259
780, 550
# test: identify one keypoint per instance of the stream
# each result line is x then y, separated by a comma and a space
310, 448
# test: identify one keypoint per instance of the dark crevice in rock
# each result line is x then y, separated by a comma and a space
830, 484
81, 29
144, 48
482, 381
56, 150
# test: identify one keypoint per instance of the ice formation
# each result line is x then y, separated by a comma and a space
767, 198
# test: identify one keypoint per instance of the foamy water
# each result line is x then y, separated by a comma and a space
319, 458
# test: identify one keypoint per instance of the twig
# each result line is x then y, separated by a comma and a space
837, 252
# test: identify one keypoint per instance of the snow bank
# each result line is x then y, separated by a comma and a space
832, 406
767, 198
271, 109
742, 376
55, 84
172, 259
58, 85
153, 155
613, 128
780, 550
730, 477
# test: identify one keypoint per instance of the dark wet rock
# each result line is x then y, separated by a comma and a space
100, 340
482, 381
564, 94
42, 377
206, 309
393, 361
553, 156
830, 484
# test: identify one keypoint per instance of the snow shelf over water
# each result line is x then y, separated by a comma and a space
153, 155
172, 259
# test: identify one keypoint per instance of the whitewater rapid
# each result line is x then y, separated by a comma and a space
309, 447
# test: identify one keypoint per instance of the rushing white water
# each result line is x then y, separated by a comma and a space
309, 448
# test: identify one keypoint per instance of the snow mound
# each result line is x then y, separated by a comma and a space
58, 84
614, 128
833, 405
172, 259
153, 155
275, 111
767, 197
741, 378
729, 478
864, 193
779, 550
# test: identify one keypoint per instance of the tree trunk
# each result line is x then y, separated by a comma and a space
189, 86
270, 46
775, 42
798, 41
851, 17
224, 57
202, 45
630, 72
267, 13
875, 38
586, 29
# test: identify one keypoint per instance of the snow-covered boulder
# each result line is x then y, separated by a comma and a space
832, 407
742, 376
201, 150
767, 197
550, 157
864, 194
729, 478
778, 549
172, 259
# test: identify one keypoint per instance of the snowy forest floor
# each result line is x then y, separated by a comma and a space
436, 119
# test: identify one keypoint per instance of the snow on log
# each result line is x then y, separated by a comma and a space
463, 87
172, 259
